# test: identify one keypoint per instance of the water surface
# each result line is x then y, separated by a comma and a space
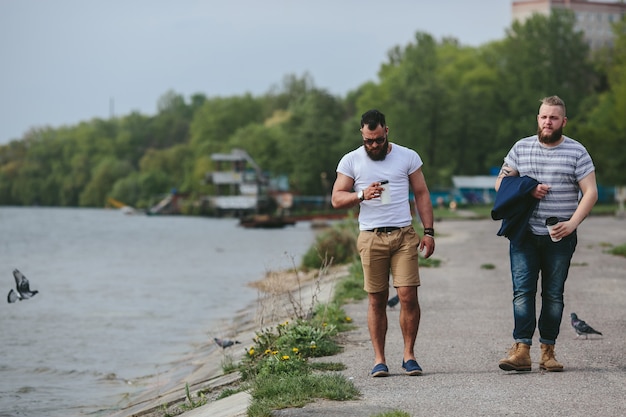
120, 297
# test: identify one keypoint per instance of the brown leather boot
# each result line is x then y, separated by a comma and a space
548, 361
518, 359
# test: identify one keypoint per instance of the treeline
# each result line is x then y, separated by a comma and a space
460, 107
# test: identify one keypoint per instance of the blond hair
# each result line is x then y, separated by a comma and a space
553, 101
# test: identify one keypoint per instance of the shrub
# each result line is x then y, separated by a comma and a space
337, 243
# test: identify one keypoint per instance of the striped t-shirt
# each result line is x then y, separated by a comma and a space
561, 167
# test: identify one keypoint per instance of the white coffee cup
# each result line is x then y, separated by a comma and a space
550, 223
385, 195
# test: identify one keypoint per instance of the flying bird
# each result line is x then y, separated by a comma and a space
22, 291
224, 343
393, 301
581, 327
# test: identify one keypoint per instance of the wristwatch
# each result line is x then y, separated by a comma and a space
361, 195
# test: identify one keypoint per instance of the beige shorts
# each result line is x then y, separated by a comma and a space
383, 252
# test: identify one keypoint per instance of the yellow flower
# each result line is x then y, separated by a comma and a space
285, 357
251, 351
275, 352
349, 319
267, 351
324, 324
294, 350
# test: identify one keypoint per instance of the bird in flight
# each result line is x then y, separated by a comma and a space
224, 343
581, 327
22, 288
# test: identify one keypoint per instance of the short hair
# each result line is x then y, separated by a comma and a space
373, 118
553, 101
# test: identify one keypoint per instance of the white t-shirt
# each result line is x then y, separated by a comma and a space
396, 168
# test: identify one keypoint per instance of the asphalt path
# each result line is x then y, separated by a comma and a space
466, 329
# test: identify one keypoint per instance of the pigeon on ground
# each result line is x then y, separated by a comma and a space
393, 301
224, 343
581, 327
22, 291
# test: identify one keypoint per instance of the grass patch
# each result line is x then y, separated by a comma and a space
394, 413
278, 370
231, 391
328, 366
604, 209
619, 250
275, 392
350, 288
337, 243
228, 364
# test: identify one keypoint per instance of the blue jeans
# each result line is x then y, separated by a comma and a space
534, 254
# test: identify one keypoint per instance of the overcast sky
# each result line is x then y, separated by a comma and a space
65, 61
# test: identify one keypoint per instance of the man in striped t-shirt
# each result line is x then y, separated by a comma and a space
564, 170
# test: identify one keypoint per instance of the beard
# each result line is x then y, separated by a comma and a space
554, 137
378, 154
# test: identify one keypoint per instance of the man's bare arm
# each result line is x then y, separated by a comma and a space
505, 171
343, 196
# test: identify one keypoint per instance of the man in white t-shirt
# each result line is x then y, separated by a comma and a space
378, 176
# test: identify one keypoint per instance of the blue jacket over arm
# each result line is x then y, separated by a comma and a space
514, 204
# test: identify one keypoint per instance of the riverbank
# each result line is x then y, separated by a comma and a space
466, 328
202, 369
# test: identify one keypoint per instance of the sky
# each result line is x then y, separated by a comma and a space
67, 61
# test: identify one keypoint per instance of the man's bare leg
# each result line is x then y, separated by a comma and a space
377, 324
409, 319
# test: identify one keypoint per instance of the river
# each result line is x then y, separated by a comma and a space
120, 297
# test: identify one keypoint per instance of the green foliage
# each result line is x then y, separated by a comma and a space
337, 243
229, 365
228, 392
286, 348
395, 413
278, 370
351, 287
328, 366
460, 107
331, 313
275, 392
602, 129
103, 177
191, 403
619, 250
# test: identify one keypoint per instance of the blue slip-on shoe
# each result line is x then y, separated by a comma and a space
380, 370
411, 367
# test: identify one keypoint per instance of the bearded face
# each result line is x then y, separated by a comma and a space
377, 152
550, 123
551, 136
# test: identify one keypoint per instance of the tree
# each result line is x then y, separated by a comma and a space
104, 175
603, 130
218, 118
311, 134
541, 57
